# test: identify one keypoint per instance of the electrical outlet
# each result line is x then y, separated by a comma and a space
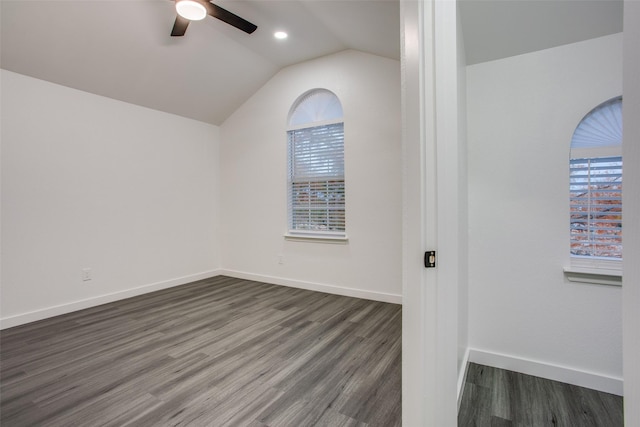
86, 274
280, 259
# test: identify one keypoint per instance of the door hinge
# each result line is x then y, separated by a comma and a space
430, 259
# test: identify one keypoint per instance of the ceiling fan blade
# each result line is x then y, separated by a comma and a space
180, 26
230, 18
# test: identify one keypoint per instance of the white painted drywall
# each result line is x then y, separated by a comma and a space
631, 203
522, 112
254, 173
90, 182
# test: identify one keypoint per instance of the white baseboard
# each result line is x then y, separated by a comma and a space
21, 319
564, 374
32, 316
320, 287
462, 375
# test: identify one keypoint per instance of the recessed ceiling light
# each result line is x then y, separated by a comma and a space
191, 10
280, 35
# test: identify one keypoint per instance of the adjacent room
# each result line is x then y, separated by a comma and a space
222, 219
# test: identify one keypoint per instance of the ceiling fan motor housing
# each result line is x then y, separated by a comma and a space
195, 10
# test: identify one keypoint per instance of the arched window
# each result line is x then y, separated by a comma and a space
315, 134
596, 185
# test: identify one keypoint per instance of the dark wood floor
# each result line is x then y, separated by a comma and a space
218, 352
499, 398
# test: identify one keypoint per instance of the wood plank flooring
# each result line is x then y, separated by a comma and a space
499, 398
217, 352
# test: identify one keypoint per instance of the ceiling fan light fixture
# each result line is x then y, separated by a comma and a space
191, 10
280, 35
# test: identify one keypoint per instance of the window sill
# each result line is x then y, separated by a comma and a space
317, 238
600, 276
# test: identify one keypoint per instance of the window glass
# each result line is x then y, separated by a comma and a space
596, 206
316, 186
595, 183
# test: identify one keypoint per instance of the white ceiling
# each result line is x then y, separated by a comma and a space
495, 29
122, 48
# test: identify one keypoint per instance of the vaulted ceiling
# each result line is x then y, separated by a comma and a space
122, 49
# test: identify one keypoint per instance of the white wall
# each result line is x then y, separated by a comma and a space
254, 149
631, 203
523, 313
92, 182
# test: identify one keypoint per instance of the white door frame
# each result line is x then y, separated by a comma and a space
631, 216
429, 329
417, 137
430, 212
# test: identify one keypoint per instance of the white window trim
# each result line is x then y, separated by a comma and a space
310, 235
590, 269
317, 236
595, 270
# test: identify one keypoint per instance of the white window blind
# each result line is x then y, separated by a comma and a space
601, 127
319, 105
316, 179
596, 206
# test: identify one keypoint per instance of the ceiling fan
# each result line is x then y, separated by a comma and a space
195, 10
